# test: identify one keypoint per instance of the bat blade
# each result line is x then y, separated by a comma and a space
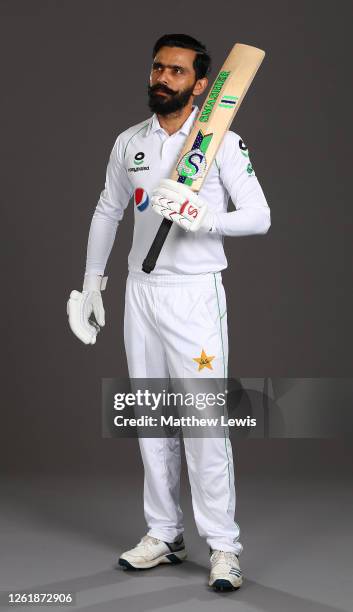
214, 119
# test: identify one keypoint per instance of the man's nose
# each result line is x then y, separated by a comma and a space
162, 77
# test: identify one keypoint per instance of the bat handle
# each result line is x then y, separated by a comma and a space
156, 246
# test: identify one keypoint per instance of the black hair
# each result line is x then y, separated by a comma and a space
202, 61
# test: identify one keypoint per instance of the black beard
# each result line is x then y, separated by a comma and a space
165, 106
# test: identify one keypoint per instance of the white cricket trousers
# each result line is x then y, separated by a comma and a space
169, 321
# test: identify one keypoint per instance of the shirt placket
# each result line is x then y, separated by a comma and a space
169, 152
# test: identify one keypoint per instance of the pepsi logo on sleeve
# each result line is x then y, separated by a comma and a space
141, 199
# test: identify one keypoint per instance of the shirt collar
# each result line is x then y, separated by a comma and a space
154, 125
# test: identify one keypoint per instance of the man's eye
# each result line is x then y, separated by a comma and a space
157, 67
178, 70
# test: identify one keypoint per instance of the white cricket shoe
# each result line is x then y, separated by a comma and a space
225, 571
150, 552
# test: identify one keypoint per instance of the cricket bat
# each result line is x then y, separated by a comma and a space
212, 123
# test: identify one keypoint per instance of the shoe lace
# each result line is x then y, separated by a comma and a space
224, 557
149, 540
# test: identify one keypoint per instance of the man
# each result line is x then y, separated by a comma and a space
175, 318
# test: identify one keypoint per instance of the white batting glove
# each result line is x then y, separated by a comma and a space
176, 202
81, 306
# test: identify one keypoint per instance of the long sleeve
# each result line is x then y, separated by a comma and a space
252, 214
108, 213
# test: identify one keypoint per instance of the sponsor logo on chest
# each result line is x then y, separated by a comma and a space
139, 164
141, 199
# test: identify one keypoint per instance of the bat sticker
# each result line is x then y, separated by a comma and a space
228, 102
192, 165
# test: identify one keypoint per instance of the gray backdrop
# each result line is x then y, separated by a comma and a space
74, 75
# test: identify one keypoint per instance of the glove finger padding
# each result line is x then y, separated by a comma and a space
170, 199
179, 189
179, 197
189, 217
172, 215
79, 309
178, 203
98, 309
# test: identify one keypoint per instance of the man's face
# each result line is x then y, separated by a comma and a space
172, 80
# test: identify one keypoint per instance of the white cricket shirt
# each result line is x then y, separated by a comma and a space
144, 154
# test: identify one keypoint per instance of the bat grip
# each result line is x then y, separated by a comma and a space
156, 246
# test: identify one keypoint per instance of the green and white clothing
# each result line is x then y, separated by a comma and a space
175, 318
144, 154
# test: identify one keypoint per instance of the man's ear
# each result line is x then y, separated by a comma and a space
200, 86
